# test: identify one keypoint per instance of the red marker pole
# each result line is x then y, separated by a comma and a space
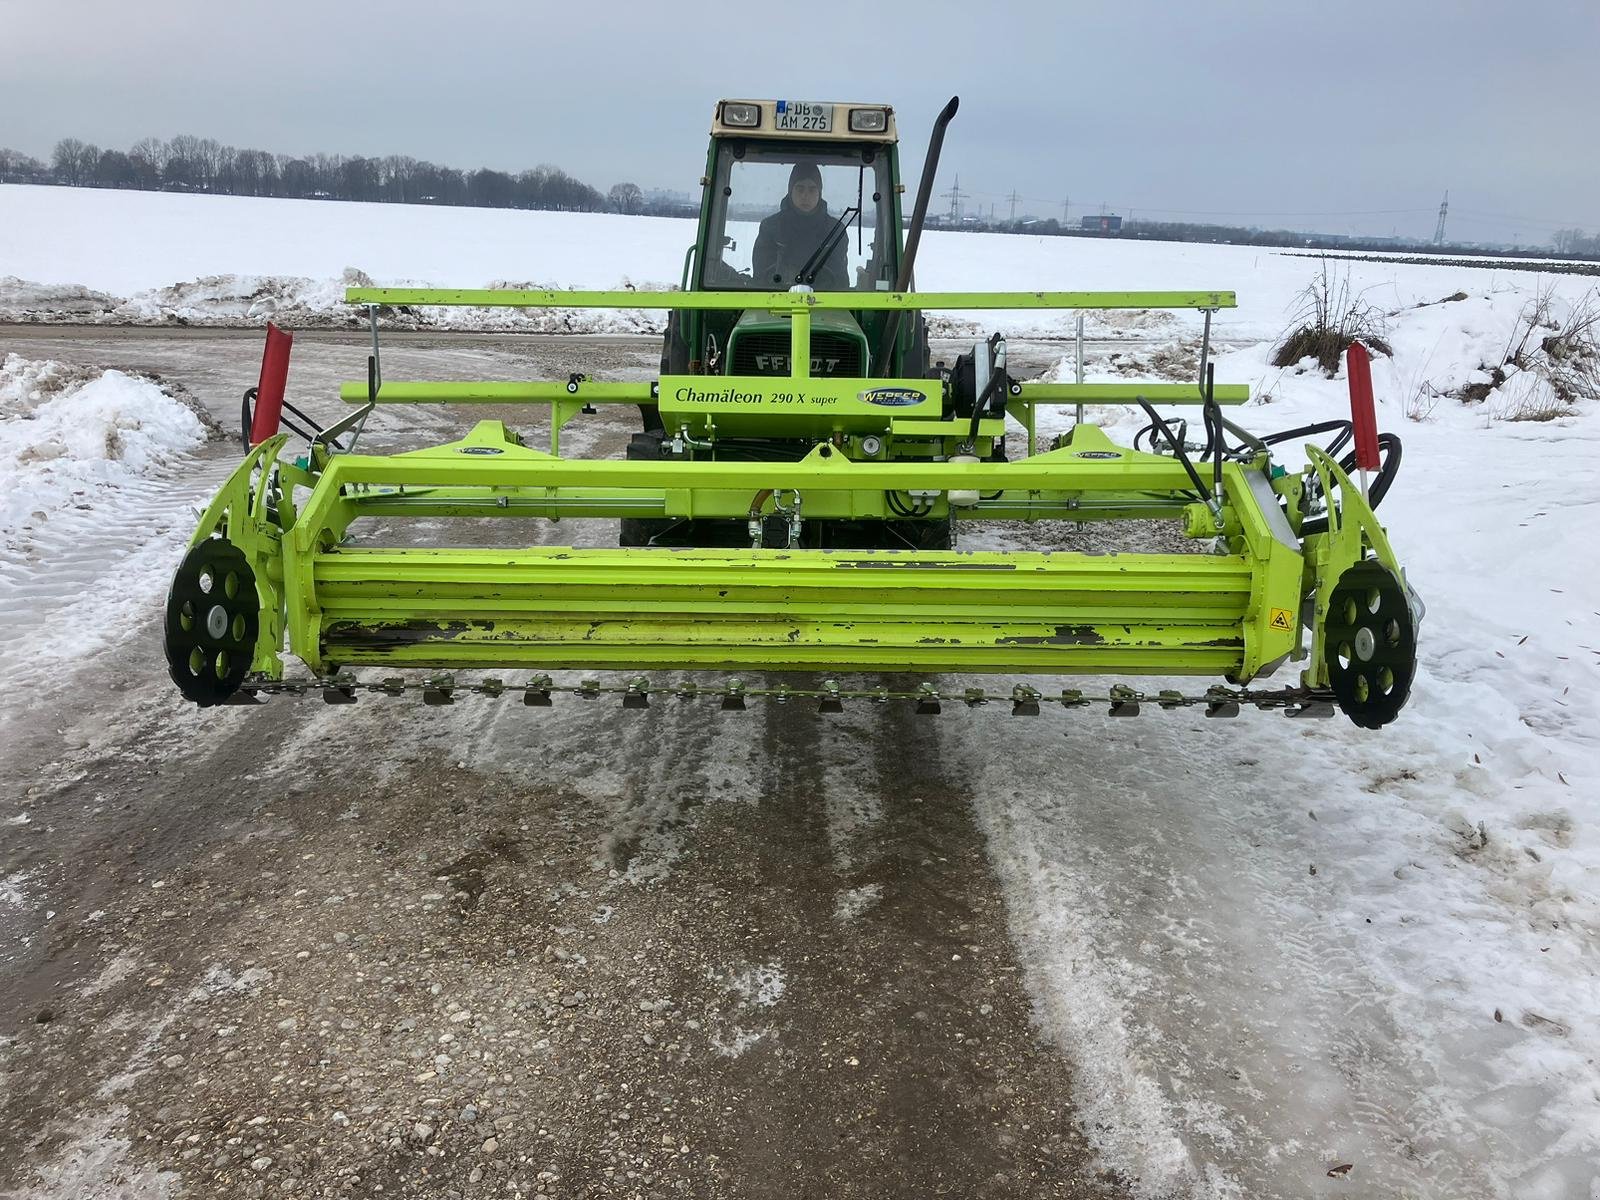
269, 391
1363, 413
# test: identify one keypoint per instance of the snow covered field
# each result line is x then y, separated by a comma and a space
1268, 949
86, 255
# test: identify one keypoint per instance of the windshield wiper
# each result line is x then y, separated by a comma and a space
808, 273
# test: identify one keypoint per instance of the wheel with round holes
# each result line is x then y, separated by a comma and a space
1370, 644
212, 619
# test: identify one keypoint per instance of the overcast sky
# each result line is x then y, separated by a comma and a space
1343, 117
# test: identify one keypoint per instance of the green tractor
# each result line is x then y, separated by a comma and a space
792, 505
800, 197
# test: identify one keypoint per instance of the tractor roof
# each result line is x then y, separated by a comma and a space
809, 120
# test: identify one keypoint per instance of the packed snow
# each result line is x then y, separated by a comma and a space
1282, 958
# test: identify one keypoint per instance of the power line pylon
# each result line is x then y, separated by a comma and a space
1013, 198
1438, 230
956, 194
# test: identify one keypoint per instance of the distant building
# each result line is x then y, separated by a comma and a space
1101, 223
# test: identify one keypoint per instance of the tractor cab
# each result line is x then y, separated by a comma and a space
796, 194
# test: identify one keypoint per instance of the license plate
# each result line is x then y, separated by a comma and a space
805, 117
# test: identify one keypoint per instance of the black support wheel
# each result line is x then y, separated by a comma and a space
1370, 644
213, 616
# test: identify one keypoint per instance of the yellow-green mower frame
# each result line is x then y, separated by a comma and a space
280, 560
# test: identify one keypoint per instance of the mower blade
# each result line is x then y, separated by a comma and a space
1315, 710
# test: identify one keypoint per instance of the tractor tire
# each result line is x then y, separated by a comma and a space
674, 361
880, 535
672, 531
919, 360
643, 447
923, 535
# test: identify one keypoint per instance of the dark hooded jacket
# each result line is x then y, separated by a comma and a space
788, 238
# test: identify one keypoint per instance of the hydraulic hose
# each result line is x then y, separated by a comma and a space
1177, 449
981, 402
1346, 431
1389, 444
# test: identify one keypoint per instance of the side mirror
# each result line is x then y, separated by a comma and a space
728, 243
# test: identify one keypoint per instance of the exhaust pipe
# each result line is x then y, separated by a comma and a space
930, 167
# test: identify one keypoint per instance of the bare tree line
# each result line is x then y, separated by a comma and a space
194, 164
1577, 243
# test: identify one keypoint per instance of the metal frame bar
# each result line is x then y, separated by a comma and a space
788, 301
590, 392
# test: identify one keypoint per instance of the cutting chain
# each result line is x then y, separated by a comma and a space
638, 692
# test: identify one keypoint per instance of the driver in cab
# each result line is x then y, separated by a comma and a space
789, 237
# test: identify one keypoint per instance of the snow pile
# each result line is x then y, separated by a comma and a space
69, 439
248, 301
98, 490
22, 300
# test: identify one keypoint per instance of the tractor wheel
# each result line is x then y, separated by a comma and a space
880, 535
919, 360
674, 361
643, 447
923, 535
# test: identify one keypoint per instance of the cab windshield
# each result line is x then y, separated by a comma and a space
776, 206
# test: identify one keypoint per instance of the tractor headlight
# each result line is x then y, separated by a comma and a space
741, 116
869, 120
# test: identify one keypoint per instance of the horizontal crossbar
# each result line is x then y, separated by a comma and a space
1131, 393
517, 467
529, 392
787, 301
550, 391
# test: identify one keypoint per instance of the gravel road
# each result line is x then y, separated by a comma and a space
486, 950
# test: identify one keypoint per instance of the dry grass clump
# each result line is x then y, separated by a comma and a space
1572, 353
1549, 364
1331, 316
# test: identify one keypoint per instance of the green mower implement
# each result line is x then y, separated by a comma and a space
799, 497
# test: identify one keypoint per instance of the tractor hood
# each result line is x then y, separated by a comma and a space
759, 345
